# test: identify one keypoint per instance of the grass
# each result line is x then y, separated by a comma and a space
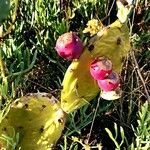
29, 63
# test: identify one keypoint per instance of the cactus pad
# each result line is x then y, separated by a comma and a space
79, 87
37, 118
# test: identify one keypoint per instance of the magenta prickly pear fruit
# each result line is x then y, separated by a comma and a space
69, 46
100, 68
110, 83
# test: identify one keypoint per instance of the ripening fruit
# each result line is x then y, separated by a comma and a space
100, 68
110, 83
69, 46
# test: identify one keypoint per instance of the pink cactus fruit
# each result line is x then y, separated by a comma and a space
100, 68
69, 46
110, 83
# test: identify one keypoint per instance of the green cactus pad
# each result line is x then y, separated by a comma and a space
37, 118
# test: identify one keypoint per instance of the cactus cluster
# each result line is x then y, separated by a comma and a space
40, 118
98, 67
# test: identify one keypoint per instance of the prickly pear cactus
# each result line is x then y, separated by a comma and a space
79, 87
37, 118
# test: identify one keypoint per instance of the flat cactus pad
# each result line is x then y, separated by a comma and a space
37, 118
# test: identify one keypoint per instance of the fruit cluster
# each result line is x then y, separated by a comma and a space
69, 46
101, 70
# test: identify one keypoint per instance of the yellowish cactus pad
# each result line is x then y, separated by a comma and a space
37, 118
79, 88
78, 85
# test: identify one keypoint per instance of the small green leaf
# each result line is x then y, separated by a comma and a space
112, 138
122, 135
